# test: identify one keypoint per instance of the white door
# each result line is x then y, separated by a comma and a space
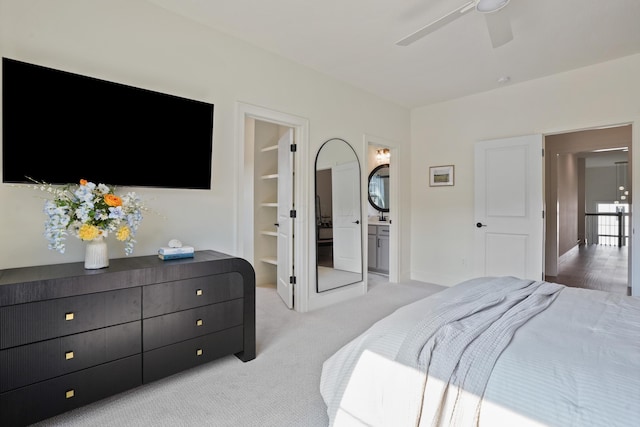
345, 198
509, 220
285, 222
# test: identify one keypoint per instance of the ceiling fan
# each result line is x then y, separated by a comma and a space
497, 23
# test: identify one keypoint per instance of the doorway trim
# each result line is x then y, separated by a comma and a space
245, 201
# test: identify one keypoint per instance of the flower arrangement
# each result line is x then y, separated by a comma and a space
89, 211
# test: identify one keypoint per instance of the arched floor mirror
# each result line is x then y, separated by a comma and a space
338, 216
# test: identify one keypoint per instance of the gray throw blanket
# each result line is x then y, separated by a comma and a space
456, 347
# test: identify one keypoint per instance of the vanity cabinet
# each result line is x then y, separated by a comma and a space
378, 248
70, 336
372, 248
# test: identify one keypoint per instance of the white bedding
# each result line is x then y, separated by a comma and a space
576, 363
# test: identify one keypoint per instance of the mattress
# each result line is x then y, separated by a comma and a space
576, 362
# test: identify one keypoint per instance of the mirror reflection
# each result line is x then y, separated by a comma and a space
379, 189
338, 212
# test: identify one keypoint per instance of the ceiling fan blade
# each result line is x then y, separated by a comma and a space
499, 26
451, 16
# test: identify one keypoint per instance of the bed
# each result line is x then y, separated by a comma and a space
493, 351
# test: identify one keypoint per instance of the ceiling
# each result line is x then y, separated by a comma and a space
596, 159
355, 40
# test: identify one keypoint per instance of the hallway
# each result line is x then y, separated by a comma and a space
598, 267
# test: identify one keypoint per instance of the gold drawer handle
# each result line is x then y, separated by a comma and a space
198, 292
69, 394
68, 355
199, 352
68, 316
199, 322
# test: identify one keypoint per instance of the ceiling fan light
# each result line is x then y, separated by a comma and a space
488, 6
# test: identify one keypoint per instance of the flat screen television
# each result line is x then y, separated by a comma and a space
59, 127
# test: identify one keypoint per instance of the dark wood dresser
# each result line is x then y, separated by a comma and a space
70, 336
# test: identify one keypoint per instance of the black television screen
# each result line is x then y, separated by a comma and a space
59, 127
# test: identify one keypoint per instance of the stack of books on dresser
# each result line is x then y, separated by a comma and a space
166, 252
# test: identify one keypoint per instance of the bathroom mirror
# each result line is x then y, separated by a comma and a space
379, 187
338, 216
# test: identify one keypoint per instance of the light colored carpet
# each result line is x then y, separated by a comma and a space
278, 388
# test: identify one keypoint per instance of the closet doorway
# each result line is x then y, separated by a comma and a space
270, 231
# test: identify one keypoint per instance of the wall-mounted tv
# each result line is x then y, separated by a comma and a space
60, 127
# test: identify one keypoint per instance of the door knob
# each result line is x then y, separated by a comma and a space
480, 225
357, 221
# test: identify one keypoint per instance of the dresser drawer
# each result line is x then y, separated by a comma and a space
179, 326
27, 364
37, 321
26, 405
171, 359
185, 294
383, 230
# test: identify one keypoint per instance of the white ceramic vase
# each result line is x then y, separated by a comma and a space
96, 254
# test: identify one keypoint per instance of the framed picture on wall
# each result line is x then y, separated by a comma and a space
440, 175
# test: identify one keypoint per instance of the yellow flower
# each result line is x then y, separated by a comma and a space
89, 211
88, 232
112, 200
123, 233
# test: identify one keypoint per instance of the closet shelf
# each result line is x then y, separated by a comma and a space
269, 204
269, 148
270, 176
269, 233
270, 260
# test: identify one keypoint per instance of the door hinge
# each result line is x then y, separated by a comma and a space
542, 214
292, 213
292, 280
543, 152
294, 148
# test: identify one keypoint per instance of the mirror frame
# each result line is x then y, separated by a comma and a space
371, 175
359, 221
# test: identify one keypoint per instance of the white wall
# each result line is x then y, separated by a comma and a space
442, 220
139, 44
136, 43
